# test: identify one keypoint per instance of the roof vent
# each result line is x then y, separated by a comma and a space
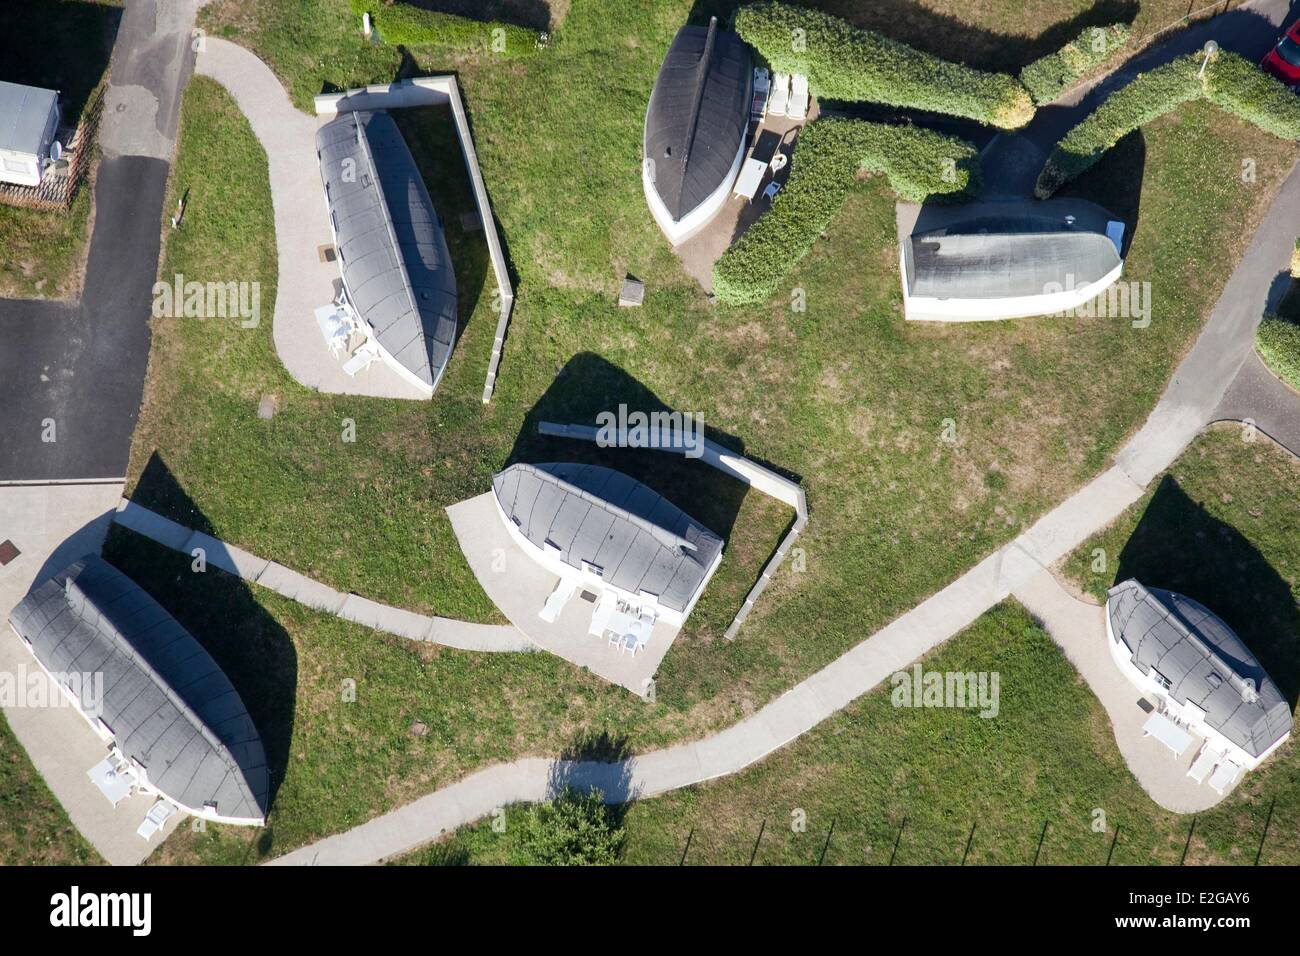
1248, 692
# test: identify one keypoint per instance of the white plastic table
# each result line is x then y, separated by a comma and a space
1168, 733
750, 178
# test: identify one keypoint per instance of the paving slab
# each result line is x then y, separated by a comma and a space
298, 587
225, 556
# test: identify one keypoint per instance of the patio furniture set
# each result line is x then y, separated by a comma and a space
1164, 728
777, 94
340, 326
621, 623
117, 781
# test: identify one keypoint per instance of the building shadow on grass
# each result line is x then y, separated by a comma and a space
223, 614
589, 385
1179, 546
533, 14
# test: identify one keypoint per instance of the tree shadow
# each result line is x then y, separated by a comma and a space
944, 36
596, 760
1177, 545
533, 14
222, 613
1115, 183
61, 46
589, 385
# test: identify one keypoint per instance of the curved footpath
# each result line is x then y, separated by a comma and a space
1188, 404
302, 226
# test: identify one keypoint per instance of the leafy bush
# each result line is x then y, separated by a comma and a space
845, 63
1234, 84
1278, 342
1048, 77
1243, 89
919, 163
407, 25
574, 829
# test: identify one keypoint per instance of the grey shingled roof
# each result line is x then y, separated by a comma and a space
392, 250
167, 703
998, 257
24, 113
1204, 662
640, 540
698, 115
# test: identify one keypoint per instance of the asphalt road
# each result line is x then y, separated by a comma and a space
81, 366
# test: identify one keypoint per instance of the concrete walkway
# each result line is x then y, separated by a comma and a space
1079, 629
52, 526
1260, 396
301, 226
297, 587
1188, 404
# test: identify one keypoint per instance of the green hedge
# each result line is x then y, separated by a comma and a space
845, 63
919, 163
406, 25
1243, 89
1048, 77
1278, 341
1234, 84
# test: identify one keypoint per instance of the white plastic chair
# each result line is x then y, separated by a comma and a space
1205, 761
778, 100
361, 358
158, 815
797, 108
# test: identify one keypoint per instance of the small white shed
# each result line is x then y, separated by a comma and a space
29, 122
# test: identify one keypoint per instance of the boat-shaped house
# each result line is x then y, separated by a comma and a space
392, 253
172, 723
696, 128
603, 532
1204, 679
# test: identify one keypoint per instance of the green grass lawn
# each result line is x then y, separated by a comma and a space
1223, 527
63, 45
917, 786
34, 829
844, 396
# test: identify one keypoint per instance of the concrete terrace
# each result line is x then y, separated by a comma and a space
302, 226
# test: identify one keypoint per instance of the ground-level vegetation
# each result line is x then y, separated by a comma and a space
831, 393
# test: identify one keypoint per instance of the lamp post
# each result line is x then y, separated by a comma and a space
1209, 50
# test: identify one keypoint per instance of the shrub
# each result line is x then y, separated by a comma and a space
574, 829
1230, 82
1243, 89
1048, 77
1278, 342
845, 63
919, 163
407, 25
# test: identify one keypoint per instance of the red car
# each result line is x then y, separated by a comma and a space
1283, 61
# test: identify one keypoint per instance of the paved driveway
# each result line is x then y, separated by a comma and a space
82, 365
